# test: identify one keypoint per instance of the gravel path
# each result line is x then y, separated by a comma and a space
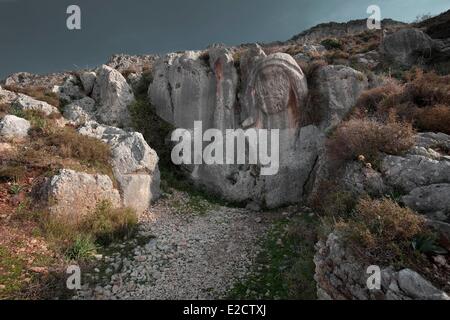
192, 256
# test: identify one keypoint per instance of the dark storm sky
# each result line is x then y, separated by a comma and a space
34, 37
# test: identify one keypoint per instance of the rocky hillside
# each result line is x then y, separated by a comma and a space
363, 178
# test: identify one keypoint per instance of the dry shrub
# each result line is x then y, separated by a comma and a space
424, 101
335, 55
39, 93
382, 229
427, 89
11, 172
133, 69
369, 138
370, 100
436, 119
310, 69
293, 50
4, 109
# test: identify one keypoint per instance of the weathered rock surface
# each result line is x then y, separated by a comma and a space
131, 63
412, 171
87, 79
7, 96
340, 276
25, 103
73, 194
432, 200
70, 89
135, 164
338, 89
14, 127
183, 89
407, 47
360, 180
27, 80
113, 96
80, 111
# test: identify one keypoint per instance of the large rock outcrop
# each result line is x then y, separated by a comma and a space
135, 164
271, 94
26, 103
423, 176
14, 127
71, 195
183, 89
340, 276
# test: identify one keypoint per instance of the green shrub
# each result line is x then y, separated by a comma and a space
331, 44
82, 248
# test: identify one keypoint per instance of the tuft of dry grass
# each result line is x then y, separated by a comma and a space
70, 144
108, 224
39, 93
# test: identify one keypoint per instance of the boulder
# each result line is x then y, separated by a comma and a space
113, 95
25, 103
72, 194
87, 79
432, 200
80, 111
412, 171
7, 96
415, 286
368, 60
135, 164
337, 89
14, 127
407, 47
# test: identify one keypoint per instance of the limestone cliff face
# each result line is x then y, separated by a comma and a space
258, 91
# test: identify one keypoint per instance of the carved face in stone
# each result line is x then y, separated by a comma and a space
272, 86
